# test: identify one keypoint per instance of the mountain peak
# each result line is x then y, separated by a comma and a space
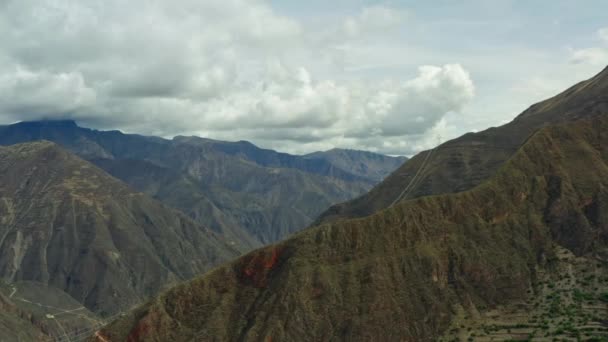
38, 145
63, 123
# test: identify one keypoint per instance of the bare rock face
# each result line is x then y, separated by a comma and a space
68, 224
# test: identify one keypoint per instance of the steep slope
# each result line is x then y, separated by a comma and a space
268, 197
570, 303
17, 324
180, 191
36, 312
465, 162
269, 158
405, 272
361, 163
252, 196
66, 223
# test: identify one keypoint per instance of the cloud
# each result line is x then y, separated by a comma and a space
34, 95
417, 105
290, 106
230, 69
593, 56
597, 55
373, 19
603, 34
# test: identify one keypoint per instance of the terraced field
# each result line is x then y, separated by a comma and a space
568, 304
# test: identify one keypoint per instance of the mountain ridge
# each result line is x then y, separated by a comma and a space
68, 224
362, 163
464, 162
253, 196
397, 275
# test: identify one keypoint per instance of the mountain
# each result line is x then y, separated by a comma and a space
65, 223
252, 196
32, 311
405, 273
16, 324
465, 162
361, 163
522, 253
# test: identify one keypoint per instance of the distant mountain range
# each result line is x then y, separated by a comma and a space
249, 195
512, 244
32, 311
81, 235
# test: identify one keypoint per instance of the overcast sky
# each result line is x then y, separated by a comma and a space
293, 75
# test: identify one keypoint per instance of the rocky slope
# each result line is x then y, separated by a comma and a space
33, 311
405, 273
465, 162
17, 324
67, 224
252, 196
361, 163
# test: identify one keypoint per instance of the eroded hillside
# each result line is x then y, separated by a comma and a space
251, 196
66, 223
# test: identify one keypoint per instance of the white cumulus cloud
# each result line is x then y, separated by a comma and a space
36, 95
230, 69
592, 56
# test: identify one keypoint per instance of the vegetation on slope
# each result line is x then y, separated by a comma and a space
37, 312
566, 304
17, 324
405, 272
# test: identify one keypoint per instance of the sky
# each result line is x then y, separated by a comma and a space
394, 77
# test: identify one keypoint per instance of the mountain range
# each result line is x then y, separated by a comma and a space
68, 224
93, 223
252, 196
497, 235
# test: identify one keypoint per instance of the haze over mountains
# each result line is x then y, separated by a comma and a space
75, 239
488, 243
81, 241
68, 224
252, 196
